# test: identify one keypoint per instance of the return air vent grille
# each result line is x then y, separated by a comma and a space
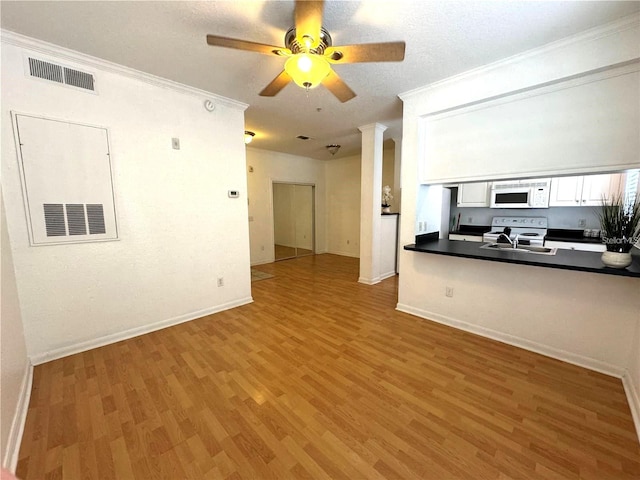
78, 79
54, 220
75, 219
95, 216
78, 217
46, 70
61, 74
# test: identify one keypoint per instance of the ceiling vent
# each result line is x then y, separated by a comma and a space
61, 74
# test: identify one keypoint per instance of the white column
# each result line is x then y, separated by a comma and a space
370, 201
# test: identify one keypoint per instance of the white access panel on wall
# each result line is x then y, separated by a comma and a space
66, 180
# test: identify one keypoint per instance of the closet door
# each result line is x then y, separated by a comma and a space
293, 220
303, 202
284, 221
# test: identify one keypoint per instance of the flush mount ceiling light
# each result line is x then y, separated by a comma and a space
333, 148
248, 136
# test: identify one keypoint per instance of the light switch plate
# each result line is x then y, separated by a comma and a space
175, 143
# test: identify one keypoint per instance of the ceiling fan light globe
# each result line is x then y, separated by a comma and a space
307, 70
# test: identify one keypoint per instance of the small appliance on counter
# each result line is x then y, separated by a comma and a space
528, 230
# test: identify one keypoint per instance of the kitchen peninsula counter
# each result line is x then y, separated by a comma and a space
563, 259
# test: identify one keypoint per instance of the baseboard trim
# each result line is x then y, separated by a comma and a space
44, 357
10, 460
368, 281
262, 262
558, 354
384, 276
634, 401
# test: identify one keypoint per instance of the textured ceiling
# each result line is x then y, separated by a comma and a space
443, 38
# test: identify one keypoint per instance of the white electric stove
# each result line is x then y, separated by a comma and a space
527, 230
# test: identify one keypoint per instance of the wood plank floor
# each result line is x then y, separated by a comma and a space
322, 378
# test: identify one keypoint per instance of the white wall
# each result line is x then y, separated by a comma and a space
343, 201
488, 297
179, 231
489, 138
14, 364
343, 206
431, 210
269, 167
632, 378
584, 318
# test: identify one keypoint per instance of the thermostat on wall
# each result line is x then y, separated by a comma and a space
234, 193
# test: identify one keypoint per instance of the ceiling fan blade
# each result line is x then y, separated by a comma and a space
366, 52
277, 84
245, 45
337, 86
308, 20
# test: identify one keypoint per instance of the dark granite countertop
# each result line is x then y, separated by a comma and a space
565, 235
563, 259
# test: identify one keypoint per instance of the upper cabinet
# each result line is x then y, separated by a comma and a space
474, 194
584, 191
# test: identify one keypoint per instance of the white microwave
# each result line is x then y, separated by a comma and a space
521, 193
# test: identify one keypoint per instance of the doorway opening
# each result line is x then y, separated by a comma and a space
293, 220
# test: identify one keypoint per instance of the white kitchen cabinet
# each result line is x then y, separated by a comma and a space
595, 187
474, 194
584, 191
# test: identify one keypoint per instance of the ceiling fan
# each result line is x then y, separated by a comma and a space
310, 53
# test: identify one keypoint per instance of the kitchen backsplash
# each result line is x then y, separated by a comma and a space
558, 217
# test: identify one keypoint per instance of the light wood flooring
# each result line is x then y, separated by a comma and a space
322, 378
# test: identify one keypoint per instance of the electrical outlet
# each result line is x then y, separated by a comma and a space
175, 143
582, 222
221, 281
448, 291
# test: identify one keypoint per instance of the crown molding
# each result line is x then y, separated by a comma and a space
50, 49
617, 26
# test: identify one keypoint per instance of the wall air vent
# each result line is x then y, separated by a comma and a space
46, 70
78, 79
61, 74
57, 224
